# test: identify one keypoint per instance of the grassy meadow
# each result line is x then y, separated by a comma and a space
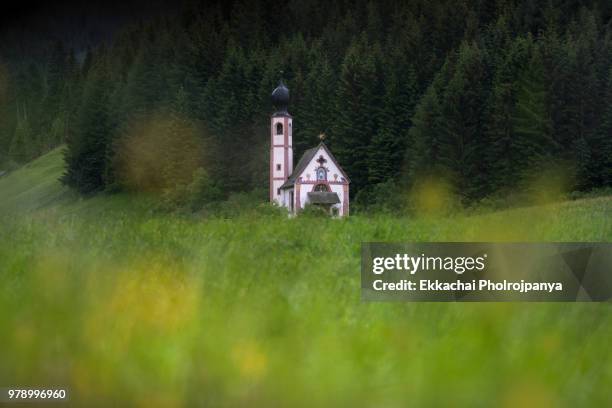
124, 306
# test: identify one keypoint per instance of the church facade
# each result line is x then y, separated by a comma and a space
317, 179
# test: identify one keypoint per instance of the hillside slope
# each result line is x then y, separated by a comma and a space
34, 185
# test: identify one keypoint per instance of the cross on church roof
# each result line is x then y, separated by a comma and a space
321, 160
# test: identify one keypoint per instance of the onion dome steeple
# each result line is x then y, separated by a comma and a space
280, 98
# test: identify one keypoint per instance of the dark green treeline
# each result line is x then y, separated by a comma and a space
482, 93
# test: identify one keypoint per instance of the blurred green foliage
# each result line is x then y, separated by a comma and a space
124, 306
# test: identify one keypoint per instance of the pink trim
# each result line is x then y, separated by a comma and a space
271, 160
335, 183
271, 178
345, 204
320, 182
285, 146
286, 134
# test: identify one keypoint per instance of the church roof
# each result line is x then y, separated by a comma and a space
306, 158
323, 197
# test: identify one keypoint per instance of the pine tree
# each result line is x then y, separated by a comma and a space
533, 144
57, 131
318, 112
87, 154
463, 142
389, 144
146, 85
423, 154
601, 166
7, 117
22, 146
374, 24
357, 111
504, 159
183, 152
582, 109
30, 84
54, 103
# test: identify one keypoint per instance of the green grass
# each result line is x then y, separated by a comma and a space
124, 306
33, 186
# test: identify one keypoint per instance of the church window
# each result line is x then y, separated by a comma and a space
278, 167
279, 128
321, 187
321, 174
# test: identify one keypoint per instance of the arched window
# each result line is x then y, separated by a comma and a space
321, 174
321, 187
279, 128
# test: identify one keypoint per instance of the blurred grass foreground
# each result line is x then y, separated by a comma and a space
124, 307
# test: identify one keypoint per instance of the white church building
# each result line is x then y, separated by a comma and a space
317, 179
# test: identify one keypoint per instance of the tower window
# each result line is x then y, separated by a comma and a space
279, 128
278, 167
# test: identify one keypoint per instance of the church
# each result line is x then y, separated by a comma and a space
317, 179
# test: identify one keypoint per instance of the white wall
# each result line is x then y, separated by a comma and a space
335, 188
278, 155
310, 169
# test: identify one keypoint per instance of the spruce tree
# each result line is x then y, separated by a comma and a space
531, 122
88, 148
463, 142
183, 152
22, 146
358, 106
319, 106
145, 86
583, 110
54, 103
386, 153
601, 166
387, 146
505, 160
424, 151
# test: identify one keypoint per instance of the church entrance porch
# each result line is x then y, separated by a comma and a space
325, 200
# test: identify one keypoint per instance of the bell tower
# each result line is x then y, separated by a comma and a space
281, 142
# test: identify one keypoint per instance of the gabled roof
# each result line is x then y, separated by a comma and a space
307, 158
323, 197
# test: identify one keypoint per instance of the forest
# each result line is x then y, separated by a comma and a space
481, 94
